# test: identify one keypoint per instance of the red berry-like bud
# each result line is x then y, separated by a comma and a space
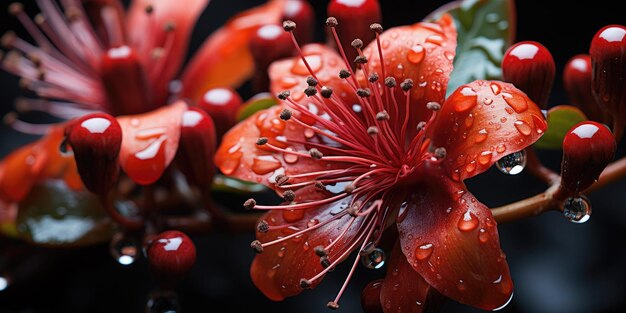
577, 83
171, 255
125, 82
302, 13
268, 44
608, 60
222, 105
587, 149
370, 297
197, 147
530, 67
96, 140
355, 18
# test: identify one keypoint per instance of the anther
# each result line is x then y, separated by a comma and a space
331, 22
285, 115
261, 141
169, 26
316, 154
8, 39
283, 95
433, 106
343, 73
357, 43
310, 91
377, 28
281, 179
363, 93
390, 82
311, 81
407, 84
372, 130
326, 92
289, 25
305, 283
157, 53
10, 118
263, 227
349, 188
325, 261
73, 14
249, 204
373, 78
320, 251
332, 305
256, 246
149, 9
360, 59
39, 19
440, 153
289, 195
319, 186
382, 116
421, 125
16, 8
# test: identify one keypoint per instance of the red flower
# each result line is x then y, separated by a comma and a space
92, 56
356, 154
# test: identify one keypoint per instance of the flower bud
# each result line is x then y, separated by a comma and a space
577, 83
587, 149
222, 105
197, 147
530, 67
171, 255
269, 43
96, 140
301, 12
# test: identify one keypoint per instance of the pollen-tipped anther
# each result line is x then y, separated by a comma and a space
283, 95
332, 305
149, 9
382, 116
363, 93
372, 130
15, 8
289, 26
249, 204
360, 59
434, 106
407, 84
319, 186
281, 179
440, 153
311, 81
316, 154
256, 246
390, 82
326, 92
357, 43
285, 115
261, 141
169, 26
343, 73
377, 28
289, 195
320, 251
263, 227
310, 91
331, 22
421, 125
325, 261
373, 78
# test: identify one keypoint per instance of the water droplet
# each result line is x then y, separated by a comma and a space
312, 222
385, 44
4, 283
416, 54
314, 61
435, 39
449, 55
290, 158
375, 259
468, 222
399, 70
471, 166
465, 99
483, 236
505, 304
481, 136
523, 127
461, 285
484, 157
124, 249
292, 216
577, 209
515, 101
500, 148
264, 164
281, 252
288, 82
513, 163
424, 251
309, 133
487, 101
469, 120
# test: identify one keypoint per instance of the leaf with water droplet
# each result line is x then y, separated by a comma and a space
481, 45
560, 120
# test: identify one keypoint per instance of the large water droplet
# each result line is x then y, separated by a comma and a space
264, 164
468, 222
515, 101
375, 259
484, 157
513, 163
481, 136
4, 283
435, 39
124, 249
424, 251
523, 127
416, 54
577, 209
290, 158
465, 99
292, 216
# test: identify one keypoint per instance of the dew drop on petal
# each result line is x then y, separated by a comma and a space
513, 163
375, 259
464, 100
435, 39
416, 54
483, 236
501, 148
290, 158
312, 222
515, 101
424, 251
495, 88
291, 216
523, 127
484, 157
264, 164
481, 136
577, 209
467, 222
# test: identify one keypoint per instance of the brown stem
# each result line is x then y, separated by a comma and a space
534, 165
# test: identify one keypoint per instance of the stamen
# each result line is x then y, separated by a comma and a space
360, 59
434, 106
311, 81
289, 26
326, 92
406, 85
320, 251
263, 227
256, 246
289, 195
283, 95
377, 28
331, 22
440, 153
285, 115
281, 179
332, 305
261, 141
372, 130
382, 116
310, 91
316, 154
343, 74
305, 283
249, 204
363, 93
357, 43
373, 78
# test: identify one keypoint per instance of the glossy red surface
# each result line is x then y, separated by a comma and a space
530, 67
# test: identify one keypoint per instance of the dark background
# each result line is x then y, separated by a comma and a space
557, 266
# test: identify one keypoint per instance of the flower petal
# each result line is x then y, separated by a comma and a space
278, 270
452, 241
404, 290
291, 74
148, 31
150, 142
240, 156
482, 122
422, 52
224, 59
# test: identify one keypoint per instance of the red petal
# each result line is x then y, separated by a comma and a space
197, 147
422, 52
403, 289
240, 156
451, 240
150, 141
147, 31
278, 270
224, 59
290, 74
481, 122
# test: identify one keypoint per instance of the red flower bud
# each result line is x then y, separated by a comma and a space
197, 147
355, 18
530, 67
608, 60
370, 297
301, 12
171, 255
577, 83
268, 44
222, 105
587, 149
96, 140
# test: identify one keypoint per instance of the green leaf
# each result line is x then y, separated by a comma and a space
257, 103
560, 120
53, 215
223, 183
486, 28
